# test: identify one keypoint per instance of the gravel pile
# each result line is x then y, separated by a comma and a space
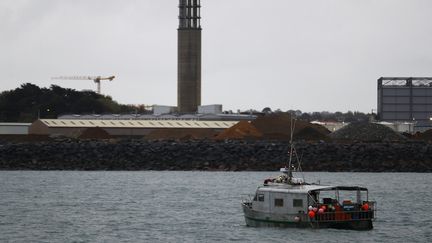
367, 132
242, 130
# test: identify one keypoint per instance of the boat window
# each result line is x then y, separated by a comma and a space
349, 196
297, 202
278, 202
261, 197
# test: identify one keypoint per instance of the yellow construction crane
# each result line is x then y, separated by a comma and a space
96, 79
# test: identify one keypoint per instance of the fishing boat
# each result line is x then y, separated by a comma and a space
288, 201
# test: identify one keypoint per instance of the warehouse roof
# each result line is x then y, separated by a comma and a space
138, 123
206, 117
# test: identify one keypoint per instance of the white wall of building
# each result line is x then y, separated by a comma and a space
331, 126
399, 126
161, 109
210, 109
14, 128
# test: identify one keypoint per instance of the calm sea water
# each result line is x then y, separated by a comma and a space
189, 207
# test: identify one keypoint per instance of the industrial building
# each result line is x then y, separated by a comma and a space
405, 99
163, 109
203, 109
189, 56
74, 128
205, 113
14, 128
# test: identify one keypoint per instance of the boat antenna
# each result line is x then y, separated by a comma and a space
293, 121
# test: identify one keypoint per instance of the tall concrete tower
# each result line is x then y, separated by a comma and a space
189, 56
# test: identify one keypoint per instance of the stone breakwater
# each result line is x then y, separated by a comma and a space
213, 155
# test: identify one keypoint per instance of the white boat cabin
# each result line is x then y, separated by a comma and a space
296, 199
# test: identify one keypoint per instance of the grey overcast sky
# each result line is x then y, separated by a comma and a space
309, 55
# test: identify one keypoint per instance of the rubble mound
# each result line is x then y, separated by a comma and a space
241, 130
426, 135
278, 126
275, 127
311, 134
366, 132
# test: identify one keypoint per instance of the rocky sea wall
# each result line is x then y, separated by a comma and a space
210, 155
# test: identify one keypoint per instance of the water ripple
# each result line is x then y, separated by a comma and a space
188, 207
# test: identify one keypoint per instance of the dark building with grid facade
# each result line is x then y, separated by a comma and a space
405, 99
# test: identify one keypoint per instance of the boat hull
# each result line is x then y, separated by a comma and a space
261, 219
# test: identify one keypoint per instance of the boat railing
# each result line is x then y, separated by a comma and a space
352, 214
247, 199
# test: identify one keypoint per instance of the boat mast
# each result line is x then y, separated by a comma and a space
291, 148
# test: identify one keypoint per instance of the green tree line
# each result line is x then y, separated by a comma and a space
30, 102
